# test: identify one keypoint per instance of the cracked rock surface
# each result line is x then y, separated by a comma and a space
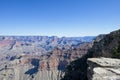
103, 69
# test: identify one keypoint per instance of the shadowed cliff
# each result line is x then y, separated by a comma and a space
103, 46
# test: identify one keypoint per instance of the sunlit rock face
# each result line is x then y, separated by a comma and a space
103, 69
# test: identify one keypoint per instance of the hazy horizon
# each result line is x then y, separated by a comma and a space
45, 36
70, 18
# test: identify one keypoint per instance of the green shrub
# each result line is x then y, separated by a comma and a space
116, 51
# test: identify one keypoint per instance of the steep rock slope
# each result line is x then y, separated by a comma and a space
103, 46
109, 46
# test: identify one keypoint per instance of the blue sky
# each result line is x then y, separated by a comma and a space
59, 17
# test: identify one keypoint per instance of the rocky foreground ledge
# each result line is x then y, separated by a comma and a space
103, 69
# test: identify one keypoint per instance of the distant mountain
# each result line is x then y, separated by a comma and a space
38, 44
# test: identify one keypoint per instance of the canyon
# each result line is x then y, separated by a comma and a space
66, 58
39, 57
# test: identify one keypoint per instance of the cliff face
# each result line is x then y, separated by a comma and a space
103, 69
109, 46
103, 46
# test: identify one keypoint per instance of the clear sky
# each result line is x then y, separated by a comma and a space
59, 17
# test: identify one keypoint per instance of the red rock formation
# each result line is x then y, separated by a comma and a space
60, 59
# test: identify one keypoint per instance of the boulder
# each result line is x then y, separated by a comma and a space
103, 69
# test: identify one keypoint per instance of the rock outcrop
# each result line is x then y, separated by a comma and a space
108, 46
103, 69
103, 46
